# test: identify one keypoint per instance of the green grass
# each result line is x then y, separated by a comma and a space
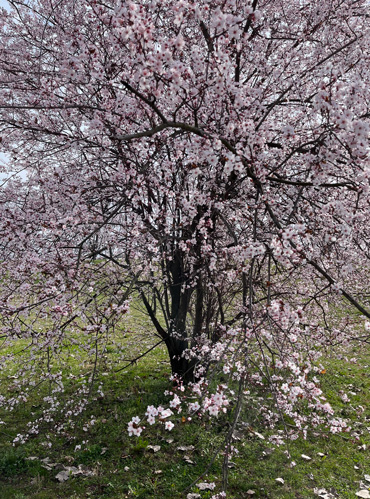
335, 471
120, 466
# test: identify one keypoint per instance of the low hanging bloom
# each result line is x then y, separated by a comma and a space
168, 425
133, 427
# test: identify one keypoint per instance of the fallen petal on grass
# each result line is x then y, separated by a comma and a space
206, 486
365, 494
62, 476
323, 494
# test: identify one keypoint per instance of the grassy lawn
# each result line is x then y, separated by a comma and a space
112, 464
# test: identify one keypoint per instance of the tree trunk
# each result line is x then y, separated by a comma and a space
180, 366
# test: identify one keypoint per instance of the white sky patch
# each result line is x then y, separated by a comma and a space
3, 160
5, 4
